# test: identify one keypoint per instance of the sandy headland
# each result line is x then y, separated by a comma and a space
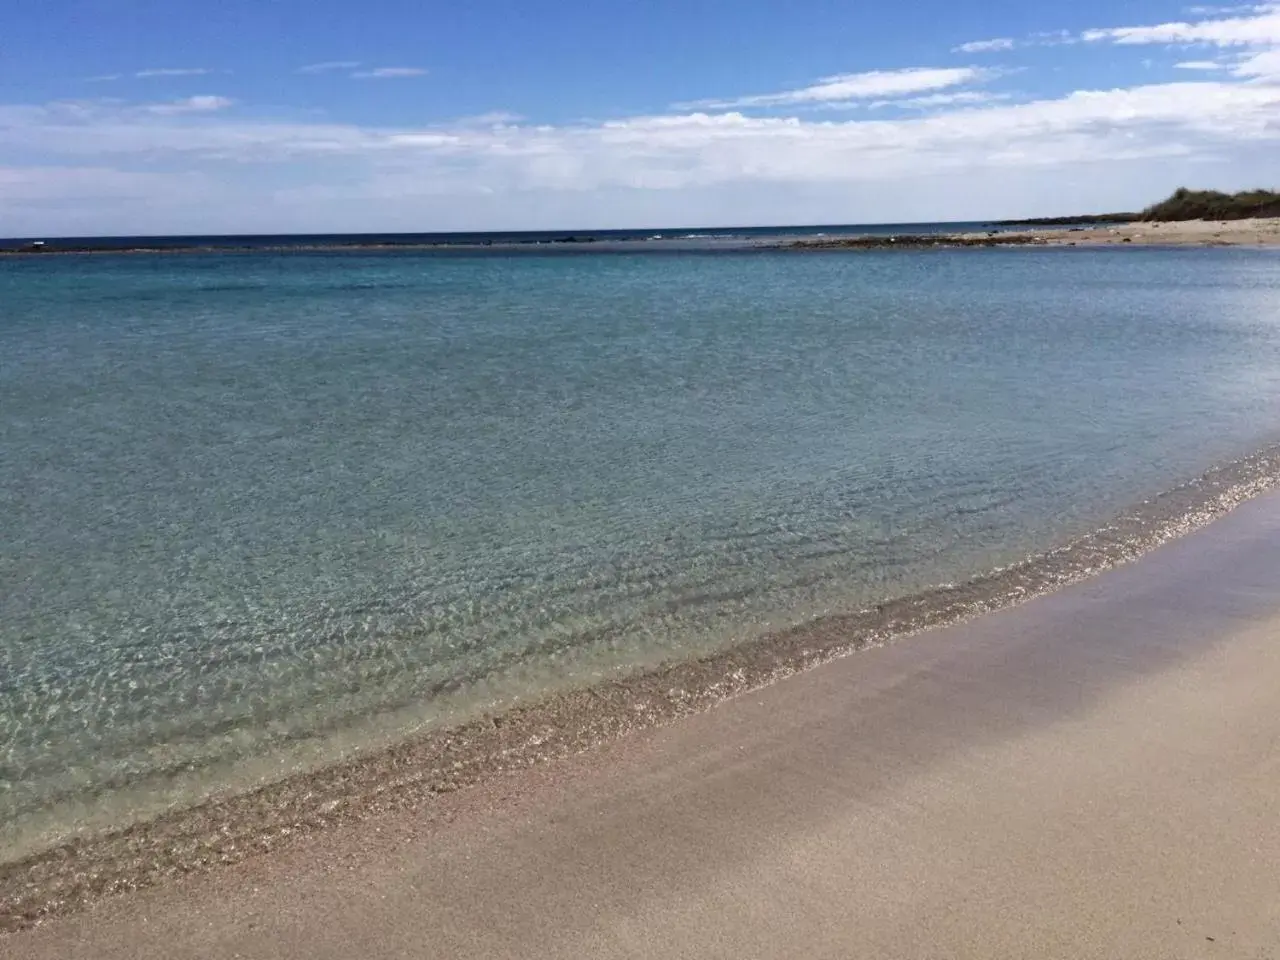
1091, 773
1257, 232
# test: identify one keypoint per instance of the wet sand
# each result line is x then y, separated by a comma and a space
1095, 773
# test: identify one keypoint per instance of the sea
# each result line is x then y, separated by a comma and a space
628, 240
269, 505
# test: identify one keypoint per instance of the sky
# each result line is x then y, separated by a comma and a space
129, 117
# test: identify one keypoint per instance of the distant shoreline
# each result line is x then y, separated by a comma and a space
1057, 232
88, 249
1182, 233
1186, 217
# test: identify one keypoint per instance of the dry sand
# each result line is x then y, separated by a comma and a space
1200, 233
1093, 774
1190, 233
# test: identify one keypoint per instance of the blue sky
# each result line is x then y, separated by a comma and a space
147, 116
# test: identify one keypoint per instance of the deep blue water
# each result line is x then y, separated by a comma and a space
261, 510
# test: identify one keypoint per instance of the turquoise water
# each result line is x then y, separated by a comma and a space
261, 511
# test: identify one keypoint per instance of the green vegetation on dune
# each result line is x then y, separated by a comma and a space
1182, 204
1079, 219
1187, 204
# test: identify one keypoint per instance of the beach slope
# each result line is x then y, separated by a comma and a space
1095, 773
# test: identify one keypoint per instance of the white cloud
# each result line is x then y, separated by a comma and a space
329, 66
491, 119
1261, 66
684, 149
932, 100
744, 156
200, 104
1054, 38
389, 73
1261, 28
173, 72
1222, 10
103, 78
30, 185
855, 86
986, 46
1087, 126
1253, 30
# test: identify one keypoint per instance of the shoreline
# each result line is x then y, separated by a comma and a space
1181, 233
221, 832
1091, 774
1264, 232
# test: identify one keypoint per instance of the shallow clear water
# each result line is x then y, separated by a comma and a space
261, 510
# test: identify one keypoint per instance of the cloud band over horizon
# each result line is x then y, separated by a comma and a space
206, 153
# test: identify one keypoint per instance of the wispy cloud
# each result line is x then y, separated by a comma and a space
986, 46
492, 118
1251, 32
1222, 10
200, 104
172, 72
1239, 25
952, 132
28, 185
933, 101
1044, 38
688, 148
103, 78
1261, 66
1054, 38
329, 66
1263, 27
389, 73
854, 86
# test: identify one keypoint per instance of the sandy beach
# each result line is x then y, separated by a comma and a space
1202, 233
1258, 232
1091, 774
